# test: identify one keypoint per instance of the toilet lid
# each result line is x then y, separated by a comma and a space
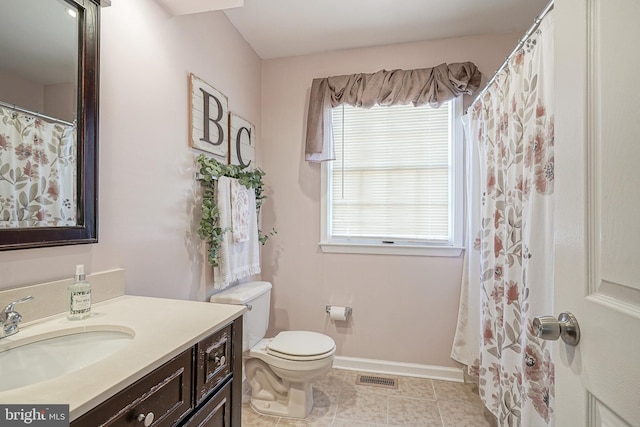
297, 345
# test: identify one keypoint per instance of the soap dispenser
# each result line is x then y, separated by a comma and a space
79, 298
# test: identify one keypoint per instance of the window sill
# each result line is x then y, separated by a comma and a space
383, 249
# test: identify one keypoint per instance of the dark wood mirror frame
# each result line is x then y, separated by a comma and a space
86, 231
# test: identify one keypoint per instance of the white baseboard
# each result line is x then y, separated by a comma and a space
399, 368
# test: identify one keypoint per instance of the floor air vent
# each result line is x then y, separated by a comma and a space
377, 381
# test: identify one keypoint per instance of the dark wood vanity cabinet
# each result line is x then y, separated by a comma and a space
165, 393
213, 362
201, 387
218, 379
215, 412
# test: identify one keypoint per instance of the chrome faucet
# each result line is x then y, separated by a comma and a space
9, 318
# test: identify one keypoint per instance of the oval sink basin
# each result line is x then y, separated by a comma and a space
46, 357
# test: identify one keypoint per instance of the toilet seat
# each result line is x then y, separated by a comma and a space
300, 346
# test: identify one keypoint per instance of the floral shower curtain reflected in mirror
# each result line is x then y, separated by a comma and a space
37, 172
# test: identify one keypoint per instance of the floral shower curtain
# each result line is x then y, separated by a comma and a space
509, 261
37, 172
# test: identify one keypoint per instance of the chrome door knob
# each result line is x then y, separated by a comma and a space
565, 327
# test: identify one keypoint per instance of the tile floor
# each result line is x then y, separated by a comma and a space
417, 402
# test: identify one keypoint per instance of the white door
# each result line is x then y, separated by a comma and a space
597, 178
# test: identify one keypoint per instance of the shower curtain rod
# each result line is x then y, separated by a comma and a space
33, 113
521, 42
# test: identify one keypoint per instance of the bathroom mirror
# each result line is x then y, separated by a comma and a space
48, 122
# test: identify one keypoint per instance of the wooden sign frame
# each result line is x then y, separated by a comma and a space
208, 118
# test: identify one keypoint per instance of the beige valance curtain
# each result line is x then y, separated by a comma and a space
431, 86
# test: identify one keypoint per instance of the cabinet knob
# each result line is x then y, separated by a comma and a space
218, 360
147, 419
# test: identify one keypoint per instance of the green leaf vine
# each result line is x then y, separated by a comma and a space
209, 171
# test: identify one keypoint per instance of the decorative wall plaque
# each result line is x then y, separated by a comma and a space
242, 149
208, 117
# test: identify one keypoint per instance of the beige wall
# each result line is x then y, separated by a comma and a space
16, 90
60, 101
56, 100
147, 190
404, 307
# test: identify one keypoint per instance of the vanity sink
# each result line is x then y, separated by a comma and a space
40, 358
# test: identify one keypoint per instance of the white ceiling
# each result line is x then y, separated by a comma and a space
185, 7
279, 28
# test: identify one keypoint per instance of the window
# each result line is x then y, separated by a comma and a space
396, 183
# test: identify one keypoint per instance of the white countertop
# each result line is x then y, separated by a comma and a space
163, 329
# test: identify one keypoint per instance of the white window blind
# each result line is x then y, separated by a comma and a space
393, 178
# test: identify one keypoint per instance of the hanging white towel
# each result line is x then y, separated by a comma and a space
240, 219
235, 260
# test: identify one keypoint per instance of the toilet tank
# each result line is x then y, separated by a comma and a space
255, 295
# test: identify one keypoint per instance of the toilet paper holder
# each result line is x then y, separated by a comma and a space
348, 310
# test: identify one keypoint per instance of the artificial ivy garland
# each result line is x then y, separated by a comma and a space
210, 171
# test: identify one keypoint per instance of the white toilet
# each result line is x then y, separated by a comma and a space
280, 370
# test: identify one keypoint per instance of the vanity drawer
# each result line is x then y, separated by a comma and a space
214, 362
165, 392
214, 413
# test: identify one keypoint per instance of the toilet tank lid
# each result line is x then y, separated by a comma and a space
241, 294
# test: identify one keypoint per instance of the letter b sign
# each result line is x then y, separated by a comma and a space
209, 117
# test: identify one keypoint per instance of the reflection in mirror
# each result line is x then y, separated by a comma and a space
48, 122
38, 108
